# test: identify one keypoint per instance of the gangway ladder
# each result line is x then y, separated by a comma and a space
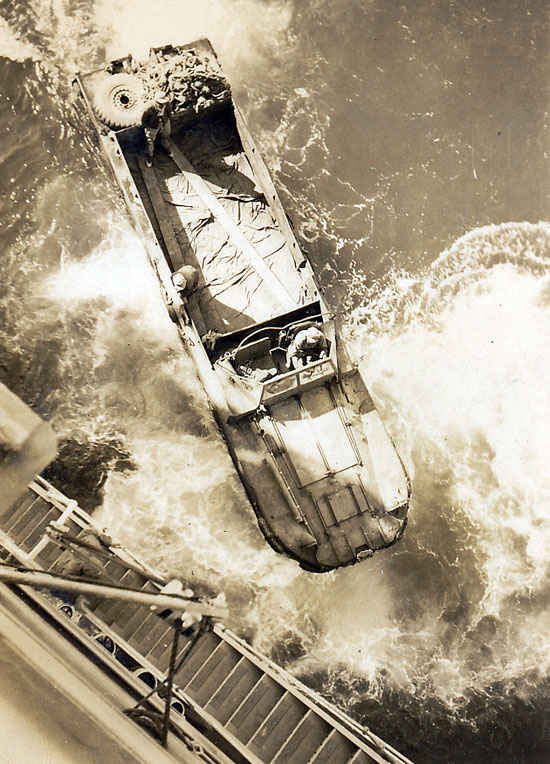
260, 712
272, 721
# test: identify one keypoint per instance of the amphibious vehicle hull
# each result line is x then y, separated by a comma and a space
321, 473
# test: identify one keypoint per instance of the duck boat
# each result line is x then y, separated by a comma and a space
320, 471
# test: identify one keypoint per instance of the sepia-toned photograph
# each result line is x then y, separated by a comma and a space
274, 385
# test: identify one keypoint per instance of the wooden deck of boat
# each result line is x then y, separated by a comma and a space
252, 709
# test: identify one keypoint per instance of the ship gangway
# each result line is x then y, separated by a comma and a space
229, 703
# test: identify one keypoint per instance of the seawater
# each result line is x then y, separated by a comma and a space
404, 139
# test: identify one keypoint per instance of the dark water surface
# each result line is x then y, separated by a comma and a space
404, 137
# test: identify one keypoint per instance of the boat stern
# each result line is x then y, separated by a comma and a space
325, 478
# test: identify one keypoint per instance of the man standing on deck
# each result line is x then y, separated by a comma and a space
155, 119
77, 561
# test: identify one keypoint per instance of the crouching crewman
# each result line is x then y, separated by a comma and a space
308, 345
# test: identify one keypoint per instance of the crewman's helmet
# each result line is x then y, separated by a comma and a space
179, 280
314, 336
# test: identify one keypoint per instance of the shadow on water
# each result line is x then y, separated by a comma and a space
82, 467
495, 724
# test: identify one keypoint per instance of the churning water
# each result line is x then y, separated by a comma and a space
403, 138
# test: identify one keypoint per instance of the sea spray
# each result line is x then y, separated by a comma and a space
475, 535
457, 363
244, 33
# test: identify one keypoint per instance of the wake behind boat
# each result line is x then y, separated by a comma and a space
321, 473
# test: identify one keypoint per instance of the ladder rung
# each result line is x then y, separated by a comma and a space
221, 687
165, 638
17, 509
361, 757
161, 658
132, 578
252, 712
234, 690
208, 663
142, 615
149, 634
335, 749
115, 611
49, 555
20, 522
37, 531
115, 569
213, 673
323, 743
202, 648
304, 741
266, 719
163, 644
278, 726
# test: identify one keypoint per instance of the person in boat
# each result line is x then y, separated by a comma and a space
185, 279
154, 120
308, 345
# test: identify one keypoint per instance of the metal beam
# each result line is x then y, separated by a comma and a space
45, 580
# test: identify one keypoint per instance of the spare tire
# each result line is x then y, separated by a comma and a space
119, 100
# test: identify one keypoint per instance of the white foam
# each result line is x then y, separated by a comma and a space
456, 358
12, 47
458, 363
240, 31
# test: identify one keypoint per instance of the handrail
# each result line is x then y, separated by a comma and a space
338, 720
109, 591
306, 372
71, 508
107, 552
